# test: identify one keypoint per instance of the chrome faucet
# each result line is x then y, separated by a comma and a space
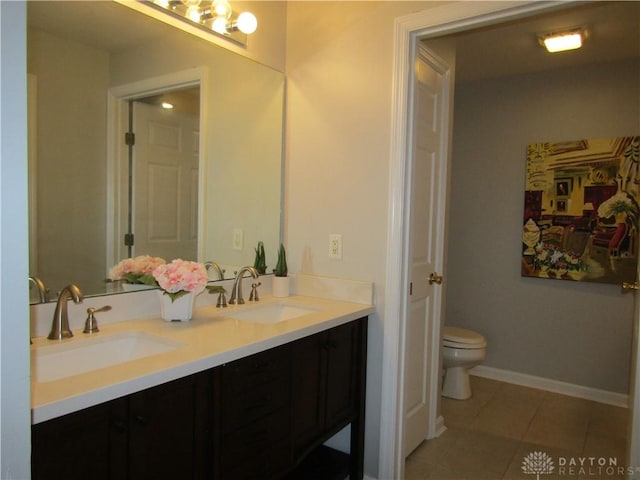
216, 267
236, 291
43, 292
60, 326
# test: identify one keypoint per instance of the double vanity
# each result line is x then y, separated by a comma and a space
248, 391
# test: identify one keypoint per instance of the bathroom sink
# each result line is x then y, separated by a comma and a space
272, 313
53, 362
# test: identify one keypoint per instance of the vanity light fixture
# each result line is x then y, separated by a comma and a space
560, 42
214, 15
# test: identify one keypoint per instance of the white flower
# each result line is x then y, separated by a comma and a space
619, 203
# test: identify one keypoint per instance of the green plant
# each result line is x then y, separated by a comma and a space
260, 263
281, 265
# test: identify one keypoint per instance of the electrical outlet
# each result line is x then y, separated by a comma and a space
335, 246
238, 239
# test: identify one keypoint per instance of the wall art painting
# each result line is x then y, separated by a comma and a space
581, 210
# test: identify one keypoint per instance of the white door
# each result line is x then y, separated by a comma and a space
633, 445
426, 215
165, 202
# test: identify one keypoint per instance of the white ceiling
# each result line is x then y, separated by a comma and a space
513, 48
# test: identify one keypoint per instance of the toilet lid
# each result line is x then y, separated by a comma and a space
463, 338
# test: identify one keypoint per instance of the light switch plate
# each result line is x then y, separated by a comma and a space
335, 246
238, 239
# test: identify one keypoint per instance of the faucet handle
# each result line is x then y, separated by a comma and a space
91, 324
253, 297
222, 300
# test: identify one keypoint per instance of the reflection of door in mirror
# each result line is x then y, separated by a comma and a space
165, 175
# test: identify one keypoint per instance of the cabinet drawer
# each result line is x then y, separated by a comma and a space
257, 449
247, 373
251, 405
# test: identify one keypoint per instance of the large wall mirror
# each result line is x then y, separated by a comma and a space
94, 67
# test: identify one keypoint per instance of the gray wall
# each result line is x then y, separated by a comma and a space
14, 327
572, 332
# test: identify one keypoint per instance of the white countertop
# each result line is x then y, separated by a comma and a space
210, 339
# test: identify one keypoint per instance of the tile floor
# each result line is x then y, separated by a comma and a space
489, 436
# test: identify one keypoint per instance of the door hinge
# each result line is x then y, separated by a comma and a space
128, 239
410, 288
130, 139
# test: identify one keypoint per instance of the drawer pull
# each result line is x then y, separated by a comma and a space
142, 420
120, 426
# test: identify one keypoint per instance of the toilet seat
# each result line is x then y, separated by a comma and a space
455, 337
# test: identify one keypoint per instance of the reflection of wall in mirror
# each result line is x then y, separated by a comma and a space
71, 112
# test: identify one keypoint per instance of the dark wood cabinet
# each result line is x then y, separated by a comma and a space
253, 440
90, 443
261, 417
329, 385
325, 379
156, 433
168, 426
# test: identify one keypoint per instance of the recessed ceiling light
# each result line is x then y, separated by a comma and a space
560, 42
167, 105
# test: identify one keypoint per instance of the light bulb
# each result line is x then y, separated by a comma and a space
219, 25
570, 41
193, 13
162, 3
247, 22
191, 3
222, 8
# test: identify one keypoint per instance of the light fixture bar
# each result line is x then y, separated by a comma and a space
213, 16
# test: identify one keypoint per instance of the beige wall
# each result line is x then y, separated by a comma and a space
339, 84
573, 332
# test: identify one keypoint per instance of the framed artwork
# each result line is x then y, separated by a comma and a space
562, 206
564, 186
581, 210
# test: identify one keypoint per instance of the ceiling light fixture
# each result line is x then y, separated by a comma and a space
560, 42
213, 15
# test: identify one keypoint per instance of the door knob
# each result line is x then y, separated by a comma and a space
435, 278
629, 287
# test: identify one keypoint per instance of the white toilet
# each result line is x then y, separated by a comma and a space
462, 350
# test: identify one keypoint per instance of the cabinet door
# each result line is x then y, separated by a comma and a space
342, 369
86, 444
168, 430
308, 390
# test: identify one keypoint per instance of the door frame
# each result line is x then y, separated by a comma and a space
117, 159
408, 31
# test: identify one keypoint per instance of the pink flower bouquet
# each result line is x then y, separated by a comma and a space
181, 277
136, 270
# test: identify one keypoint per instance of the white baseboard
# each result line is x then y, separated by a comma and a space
440, 426
556, 386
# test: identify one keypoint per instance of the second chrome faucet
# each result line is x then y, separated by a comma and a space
236, 291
